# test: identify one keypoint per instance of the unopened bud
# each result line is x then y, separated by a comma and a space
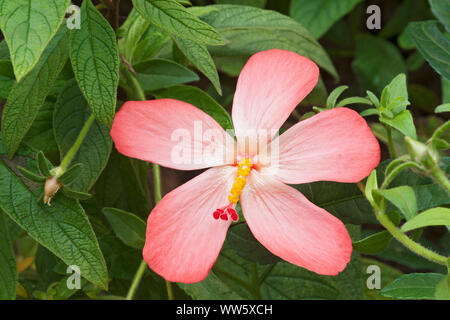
51, 186
421, 153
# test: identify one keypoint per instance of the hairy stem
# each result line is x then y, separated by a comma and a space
139, 94
440, 176
74, 149
406, 241
390, 142
136, 280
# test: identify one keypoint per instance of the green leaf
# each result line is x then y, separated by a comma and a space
318, 16
432, 44
369, 112
376, 63
199, 55
6, 78
28, 95
374, 243
28, 27
445, 90
249, 280
442, 108
250, 30
441, 9
244, 243
151, 44
44, 165
371, 185
334, 95
136, 30
71, 174
403, 122
413, 286
443, 289
173, 18
212, 288
95, 62
253, 3
71, 113
414, 61
405, 42
123, 185
439, 216
372, 97
40, 136
77, 195
128, 227
31, 175
396, 90
403, 198
63, 227
8, 268
282, 280
353, 100
200, 99
345, 200
161, 73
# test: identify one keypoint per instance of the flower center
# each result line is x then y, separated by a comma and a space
244, 168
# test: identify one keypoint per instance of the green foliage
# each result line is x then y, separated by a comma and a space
374, 243
200, 99
413, 286
62, 227
28, 95
432, 44
26, 32
172, 17
433, 217
95, 61
161, 73
249, 30
403, 198
199, 55
377, 62
250, 280
319, 16
71, 112
8, 268
128, 227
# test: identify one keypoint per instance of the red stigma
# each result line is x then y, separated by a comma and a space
223, 214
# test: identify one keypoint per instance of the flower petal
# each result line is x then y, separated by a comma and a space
269, 87
171, 133
334, 145
183, 238
291, 227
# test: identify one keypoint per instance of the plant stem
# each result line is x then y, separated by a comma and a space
406, 241
136, 280
439, 131
139, 94
74, 149
157, 195
390, 143
440, 176
388, 179
156, 183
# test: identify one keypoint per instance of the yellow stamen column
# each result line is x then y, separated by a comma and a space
244, 168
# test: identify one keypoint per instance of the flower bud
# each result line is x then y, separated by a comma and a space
51, 186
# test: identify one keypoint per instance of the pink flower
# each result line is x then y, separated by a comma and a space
187, 228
